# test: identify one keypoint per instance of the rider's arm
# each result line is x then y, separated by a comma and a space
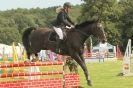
62, 18
68, 18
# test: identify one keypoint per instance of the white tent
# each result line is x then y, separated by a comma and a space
106, 48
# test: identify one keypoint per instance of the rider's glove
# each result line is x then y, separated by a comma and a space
72, 26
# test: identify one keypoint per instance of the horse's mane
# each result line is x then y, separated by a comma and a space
85, 23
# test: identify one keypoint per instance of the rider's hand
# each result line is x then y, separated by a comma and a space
72, 26
68, 27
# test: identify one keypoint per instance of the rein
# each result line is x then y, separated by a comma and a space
83, 33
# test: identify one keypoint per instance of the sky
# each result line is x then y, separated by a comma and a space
14, 4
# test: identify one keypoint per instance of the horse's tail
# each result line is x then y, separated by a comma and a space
25, 38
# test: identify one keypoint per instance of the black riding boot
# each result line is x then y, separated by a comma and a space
58, 45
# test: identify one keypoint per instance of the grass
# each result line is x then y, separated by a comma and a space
104, 75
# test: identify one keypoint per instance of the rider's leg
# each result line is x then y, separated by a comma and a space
60, 33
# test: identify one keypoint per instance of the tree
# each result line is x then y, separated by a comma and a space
108, 11
126, 21
9, 35
23, 22
16, 20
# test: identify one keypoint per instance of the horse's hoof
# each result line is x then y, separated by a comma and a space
26, 62
89, 82
35, 59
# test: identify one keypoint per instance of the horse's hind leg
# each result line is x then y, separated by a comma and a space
83, 66
37, 58
28, 55
35, 52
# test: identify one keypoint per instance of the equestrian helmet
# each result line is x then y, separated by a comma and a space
67, 4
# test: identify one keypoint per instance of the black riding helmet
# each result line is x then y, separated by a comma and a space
67, 4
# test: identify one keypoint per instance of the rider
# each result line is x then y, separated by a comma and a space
62, 21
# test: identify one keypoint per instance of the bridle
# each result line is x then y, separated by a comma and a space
85, 34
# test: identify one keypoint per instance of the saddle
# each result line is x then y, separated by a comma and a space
53, 36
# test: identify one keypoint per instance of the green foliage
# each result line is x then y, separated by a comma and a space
75, 13
126, 21
108, 11
9, 35
127, 18
15, 21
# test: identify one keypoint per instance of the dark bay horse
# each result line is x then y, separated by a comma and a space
36, 39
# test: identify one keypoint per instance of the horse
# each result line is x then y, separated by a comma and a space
36, 39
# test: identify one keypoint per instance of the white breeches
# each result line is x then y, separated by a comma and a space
59, 32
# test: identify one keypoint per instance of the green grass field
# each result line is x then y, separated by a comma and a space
104, 75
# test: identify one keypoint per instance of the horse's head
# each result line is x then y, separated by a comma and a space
94, 28
98, 31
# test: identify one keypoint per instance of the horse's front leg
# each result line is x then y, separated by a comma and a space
36, 57
78, 59
81, 54
82, 58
